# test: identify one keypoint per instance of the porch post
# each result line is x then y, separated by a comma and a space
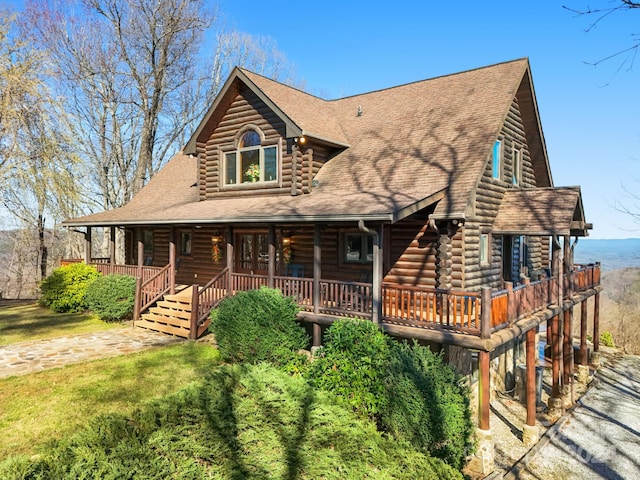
530, 431
595, 360
87, 246
583, 367
555, 401
555, 269
140, 256
229, 236
377, 275
112, 245
271, 268
483, 461
568, 264
567, 357
484, 393
172, 265
317, 274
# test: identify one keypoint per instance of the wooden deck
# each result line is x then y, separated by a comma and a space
402, 308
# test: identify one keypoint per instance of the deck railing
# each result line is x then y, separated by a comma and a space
412, 306
203, 299
144, 272
150, 291
429, 307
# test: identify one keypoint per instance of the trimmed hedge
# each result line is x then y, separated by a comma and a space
259, 326
427, 404
408, 390
352, 365
64, 290
112, 297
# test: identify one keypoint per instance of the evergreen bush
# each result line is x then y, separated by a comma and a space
352, 365
606, 339
257, 326
239, 422
64, 290
112, 297
428, 404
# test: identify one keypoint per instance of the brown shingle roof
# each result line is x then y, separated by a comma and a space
413, 144
541, 211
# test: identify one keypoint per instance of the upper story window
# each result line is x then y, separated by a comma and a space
517, 167
251, 162
496, 160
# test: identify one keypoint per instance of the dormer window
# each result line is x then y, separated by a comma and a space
251, 162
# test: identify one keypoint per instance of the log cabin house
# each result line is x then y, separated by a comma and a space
428, 208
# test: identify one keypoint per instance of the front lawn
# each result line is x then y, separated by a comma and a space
22, 323
48, 405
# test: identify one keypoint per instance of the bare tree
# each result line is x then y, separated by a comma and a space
603, 13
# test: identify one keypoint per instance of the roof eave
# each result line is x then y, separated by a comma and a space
378, 217
291, 128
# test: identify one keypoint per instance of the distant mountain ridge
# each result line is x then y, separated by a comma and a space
613, 254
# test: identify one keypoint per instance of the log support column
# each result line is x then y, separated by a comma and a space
583, 360
271, 267
112, 245
567, 358
555, 400
483, 461
530, 434
317, 275
87, 246
595, 357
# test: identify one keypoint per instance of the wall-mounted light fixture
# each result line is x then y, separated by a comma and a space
216, 246
300, 140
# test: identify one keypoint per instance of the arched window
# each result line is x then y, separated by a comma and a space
251, 162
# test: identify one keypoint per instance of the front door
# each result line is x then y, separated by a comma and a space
252, 253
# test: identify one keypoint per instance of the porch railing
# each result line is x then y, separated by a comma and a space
151, 290
204, 299
144, 272
429, 307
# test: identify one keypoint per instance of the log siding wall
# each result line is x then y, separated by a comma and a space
487, 199
296, 168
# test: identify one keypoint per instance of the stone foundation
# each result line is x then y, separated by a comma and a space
530, 435
555, 408
483, 461
583, 372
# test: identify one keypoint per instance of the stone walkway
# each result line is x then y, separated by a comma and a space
600, 438
29, 357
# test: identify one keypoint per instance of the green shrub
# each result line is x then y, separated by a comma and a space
352, 365
258, 326
428, 404
240, 422
606, 339
65, 288
112, 297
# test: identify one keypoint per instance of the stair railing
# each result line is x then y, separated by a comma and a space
150, 291
206, 298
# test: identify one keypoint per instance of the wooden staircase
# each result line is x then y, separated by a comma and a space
171, 315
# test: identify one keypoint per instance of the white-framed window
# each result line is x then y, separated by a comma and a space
517, 166
496, 160
358, 248
251, 162
485, 249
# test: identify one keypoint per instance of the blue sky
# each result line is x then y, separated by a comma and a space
589, 114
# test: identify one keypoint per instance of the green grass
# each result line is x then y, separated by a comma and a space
239, 422
48, 405
22, 323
